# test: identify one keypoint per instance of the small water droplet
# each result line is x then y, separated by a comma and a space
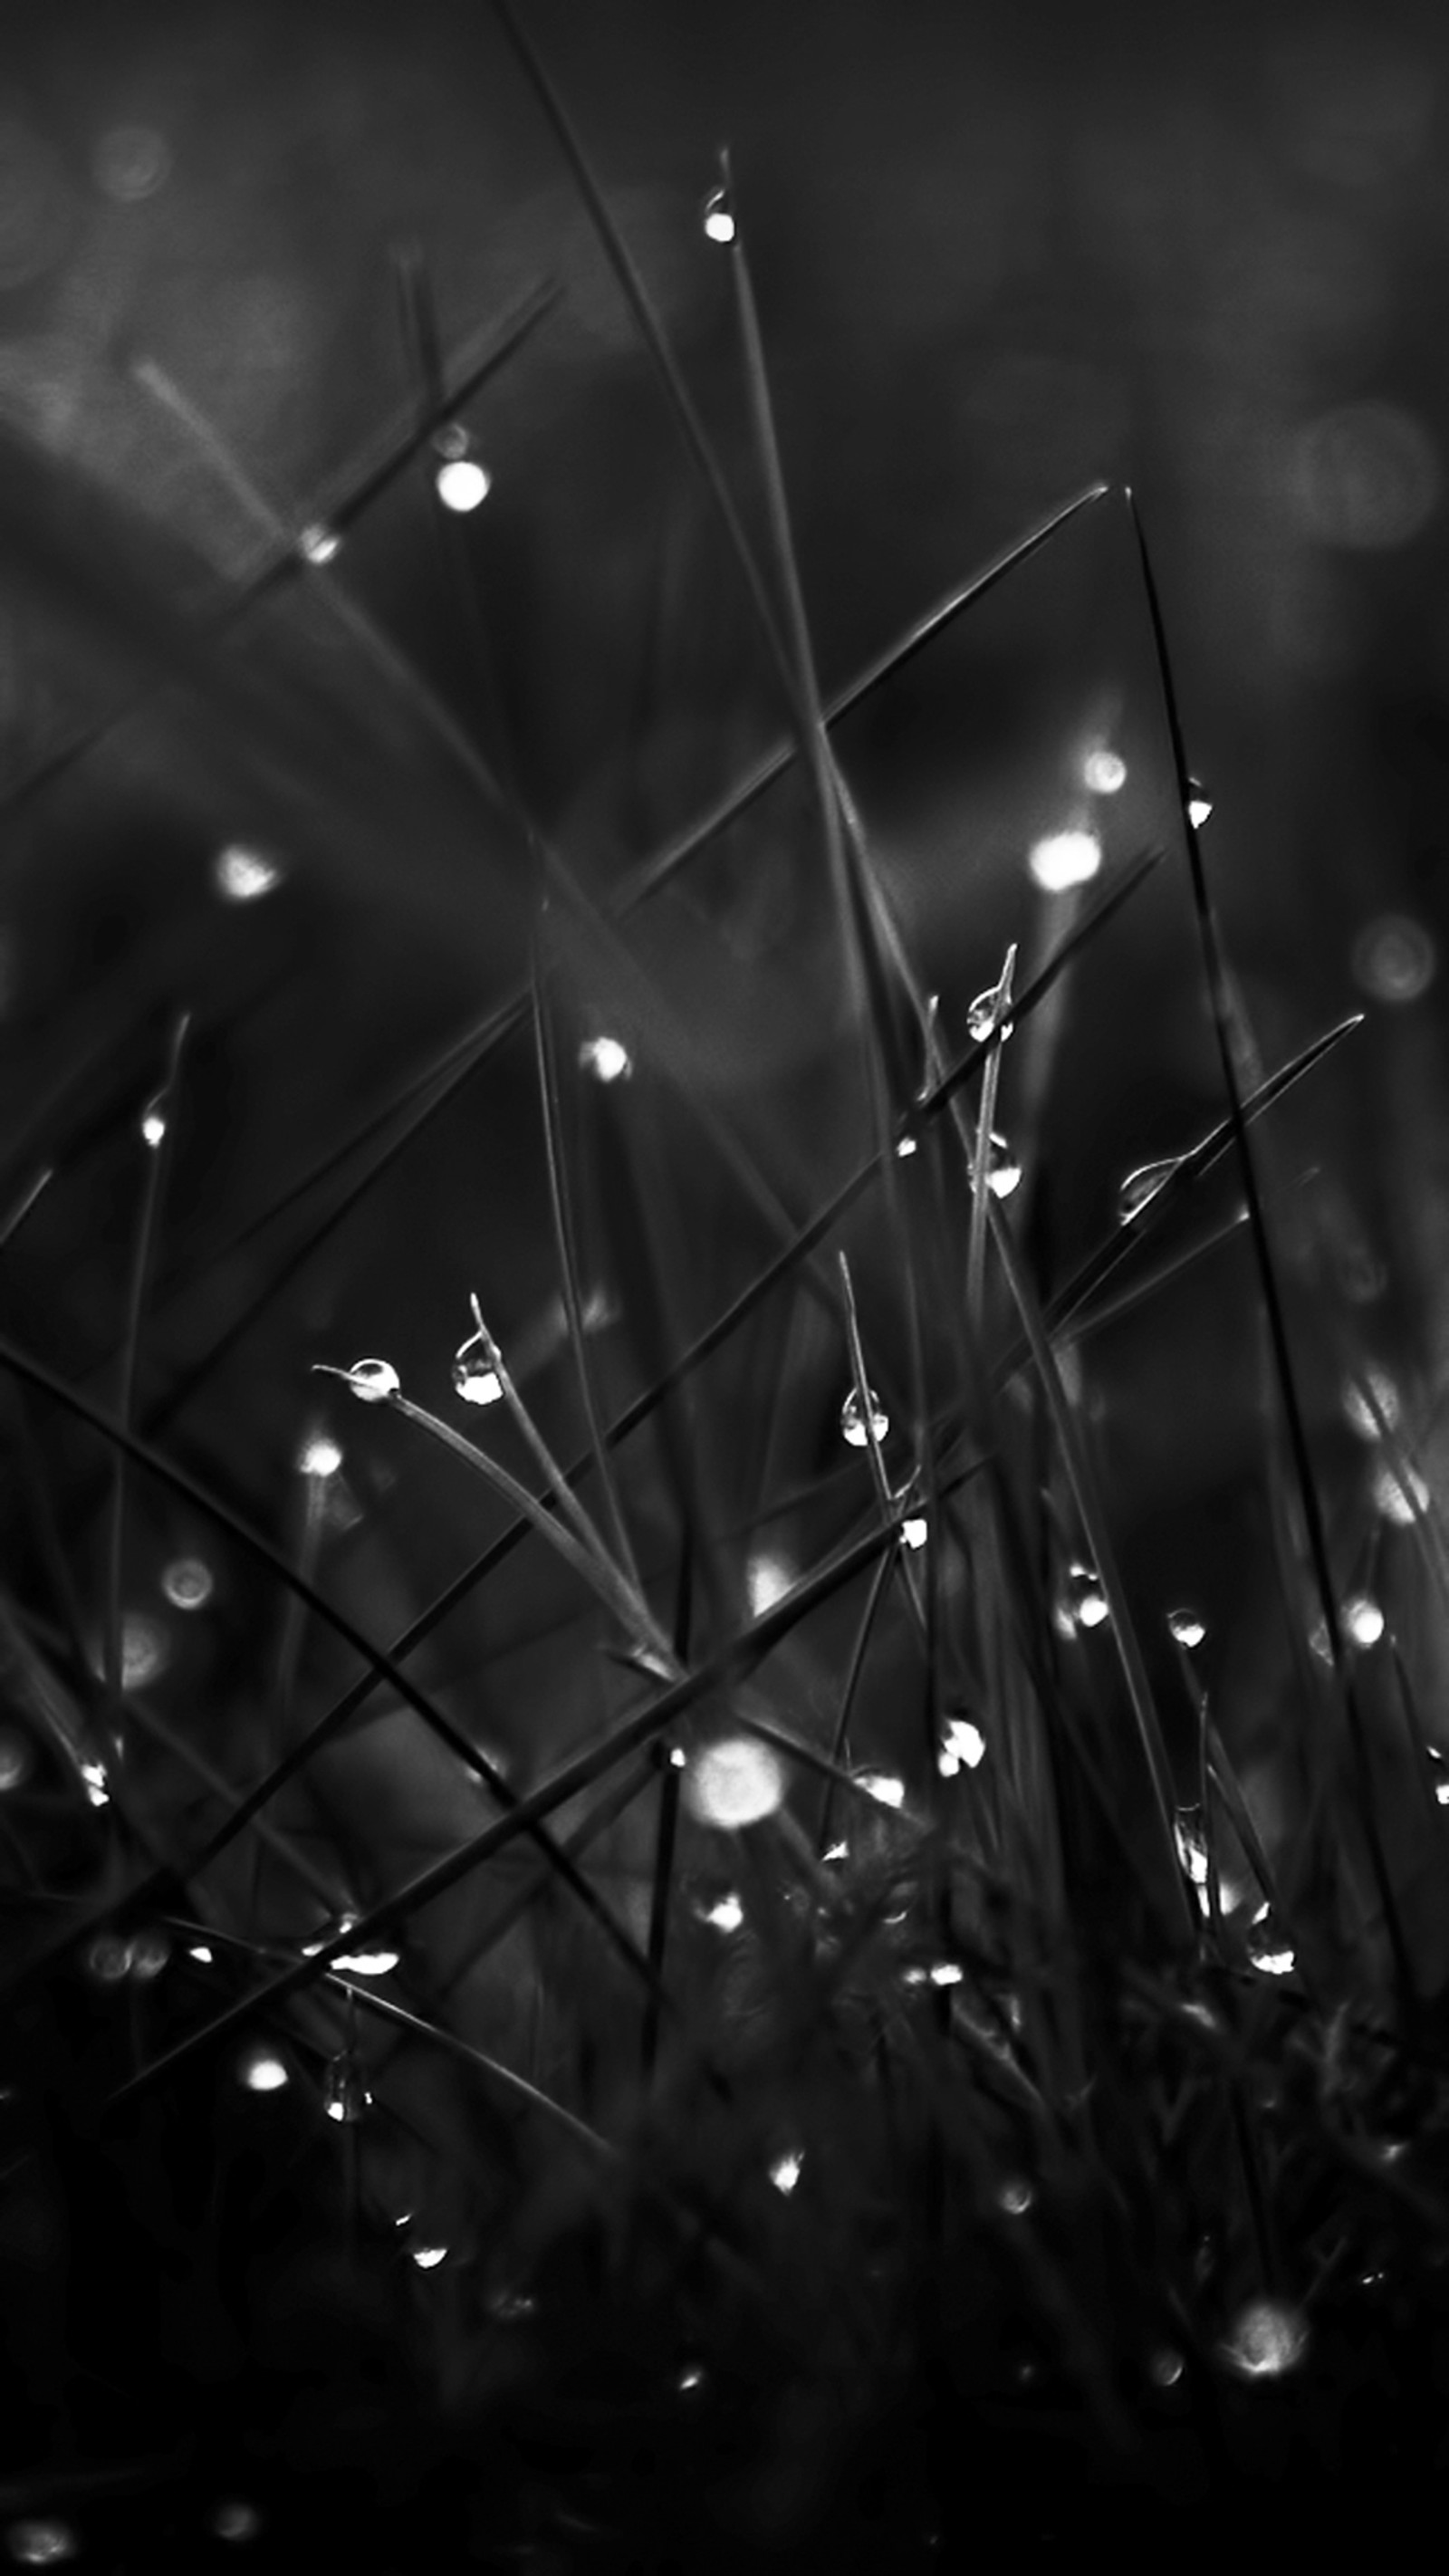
836, 1853
786, 2170
719, 222
1083, 1604
1199, 803
726, 1914
906, 1148
1191, 1840
915, 1531
1440, 1770
188, 1583
689, 2379
94, 1782
153, 1120
1267, 1950
1365, 1416
1166, 2367
373, 1381
108, 1958
735, 1782
1104, 771
201, 1952
475, 1378
962, 1747
990, 1012
1015, 2197
243, 875
1363, 1620
1268, 2338
16, 1758
234, 2520
1401, 1499
462, 484
1186, 1627
1064, 860
345, 2096
261, 2070
947, 1972
41, 2541
150, 1950
767, 1580
428, 2257
319, 1456
318, 544
1142, 1186
605, 1059
1003, 1171
853, 1426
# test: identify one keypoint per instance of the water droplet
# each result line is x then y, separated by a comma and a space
735, 1782
373, 1381
41, 2541
786, 2170
150, 1950
1267, 1950
1267, 2339
726, 1914
1440, 1770
1015, 2197
428, 2257
1142, 1186
947, 1972
462, 484
153, 1120
261, 2070
201, 1952
1165, 2367
1394, 959
1064, 860
16, 1758
93, 1781
475, 1378
915, 1531
188, 1583
962, 1747
512, 2307
905, 1149
883, 1786
378, 1961
345, 2096
990, 1012
244, 876
1186, 1627
1400, 1499
1003, 1171
853, 1427
145, 1650
318, 544
690, 2378
108, 1958
1191, 1841
719, 222
1367, 1417
837, 1852
234, 2520
130, 163
1084, 1603
1104, 772
767, 1580
1199, 803
1363, 1619
605, 1059
319, 1456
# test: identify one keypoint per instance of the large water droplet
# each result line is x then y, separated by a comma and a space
605, 1059
1363, 1620
41, 2541
1104, 771
188, 1583
962, 1747
1083, 1604
1003, 1170
734, 1782
373, 1381
1267, 1949
261, 2070
991, 1010
1268, 2338
1142, 1186
726, 1914
719, 222
1186, 1627
462, 484
153, 1120
244, 876
853, 1423
16, 1758
1064, 860
474, 1376
319, 1456
915, 1531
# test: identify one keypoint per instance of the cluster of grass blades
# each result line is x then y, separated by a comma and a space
801, 2040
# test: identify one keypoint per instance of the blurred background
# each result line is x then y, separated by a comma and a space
998, 252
